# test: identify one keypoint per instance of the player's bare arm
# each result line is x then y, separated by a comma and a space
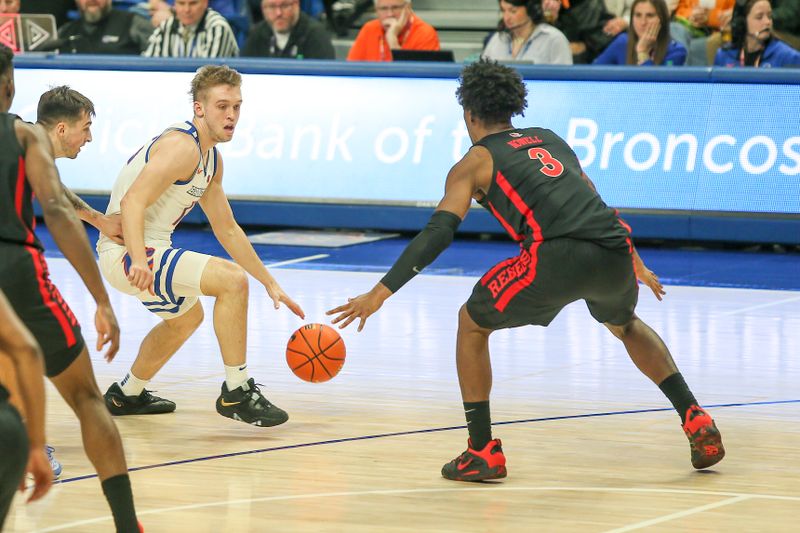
172, 157
108, 225
18, 344
233, 239
643, 274
66, 229
468, 178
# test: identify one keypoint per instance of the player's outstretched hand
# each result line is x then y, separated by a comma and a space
278, 297
107, 330
360, 307
39, 468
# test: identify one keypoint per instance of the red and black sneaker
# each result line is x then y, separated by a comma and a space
705, 440
475, 465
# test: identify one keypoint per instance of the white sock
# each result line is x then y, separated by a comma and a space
236, 376
131, 385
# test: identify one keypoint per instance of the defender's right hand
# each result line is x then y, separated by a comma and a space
107, 330
39, 468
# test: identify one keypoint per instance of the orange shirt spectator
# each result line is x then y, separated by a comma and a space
396, 27
686, 10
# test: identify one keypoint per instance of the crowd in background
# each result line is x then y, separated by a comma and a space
733, 33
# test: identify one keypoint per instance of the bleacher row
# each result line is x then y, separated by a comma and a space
462, 25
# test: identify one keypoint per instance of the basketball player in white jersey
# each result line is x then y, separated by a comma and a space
157, 187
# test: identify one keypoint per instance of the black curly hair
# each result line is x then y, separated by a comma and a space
492, 92
6, 59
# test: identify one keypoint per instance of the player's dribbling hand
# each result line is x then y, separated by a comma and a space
39, 468
360, 307
105, 322
278, 297
141, 277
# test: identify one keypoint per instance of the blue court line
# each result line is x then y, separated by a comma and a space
420, 431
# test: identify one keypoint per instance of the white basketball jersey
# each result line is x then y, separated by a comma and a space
161, 218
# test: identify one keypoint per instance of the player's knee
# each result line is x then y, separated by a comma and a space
622, 331
235, 279
465, 322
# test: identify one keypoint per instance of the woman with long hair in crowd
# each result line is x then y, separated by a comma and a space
647, 41
752, 43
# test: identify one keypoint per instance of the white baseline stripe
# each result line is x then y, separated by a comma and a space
760, 306
735, 497
680, 514
298, 260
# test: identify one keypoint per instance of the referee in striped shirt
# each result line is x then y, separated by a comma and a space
194, 30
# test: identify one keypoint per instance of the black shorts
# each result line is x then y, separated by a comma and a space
25, 280
533, 287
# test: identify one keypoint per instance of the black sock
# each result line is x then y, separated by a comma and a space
120, 498
479, 423
677, 391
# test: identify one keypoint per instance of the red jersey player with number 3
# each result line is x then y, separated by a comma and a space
572, 247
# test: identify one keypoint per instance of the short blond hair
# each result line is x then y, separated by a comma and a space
209, 76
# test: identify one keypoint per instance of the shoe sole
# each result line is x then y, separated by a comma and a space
497, 473
710, 450
258, 423
115, 411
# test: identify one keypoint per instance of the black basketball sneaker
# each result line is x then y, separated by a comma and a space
143, 404
477, 465
247, 404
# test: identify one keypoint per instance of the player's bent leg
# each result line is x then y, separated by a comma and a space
101, 440
228, 283
472, 359
483, 459
158, 347
240, 398
652, 357
648, 352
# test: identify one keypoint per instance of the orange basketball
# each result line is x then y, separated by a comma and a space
315, 352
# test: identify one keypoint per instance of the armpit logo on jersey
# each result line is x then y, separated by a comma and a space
197, 192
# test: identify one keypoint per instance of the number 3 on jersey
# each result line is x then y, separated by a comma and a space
551, 167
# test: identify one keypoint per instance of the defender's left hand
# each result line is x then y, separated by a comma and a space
360, 307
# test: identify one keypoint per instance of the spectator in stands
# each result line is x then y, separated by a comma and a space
161, 10
9, 6
195, 30
647, 41
397, 27
103, 30
752, 43
621, 9
786, 21
583, 23
695, 22
289, 33
59, 9
522, 35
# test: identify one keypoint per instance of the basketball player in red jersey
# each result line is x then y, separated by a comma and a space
26, 168
572, 247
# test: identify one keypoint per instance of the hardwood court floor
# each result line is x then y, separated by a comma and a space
592, 445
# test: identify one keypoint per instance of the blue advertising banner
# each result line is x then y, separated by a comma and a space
390, 141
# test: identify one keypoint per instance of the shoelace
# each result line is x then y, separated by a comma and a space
256, 397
